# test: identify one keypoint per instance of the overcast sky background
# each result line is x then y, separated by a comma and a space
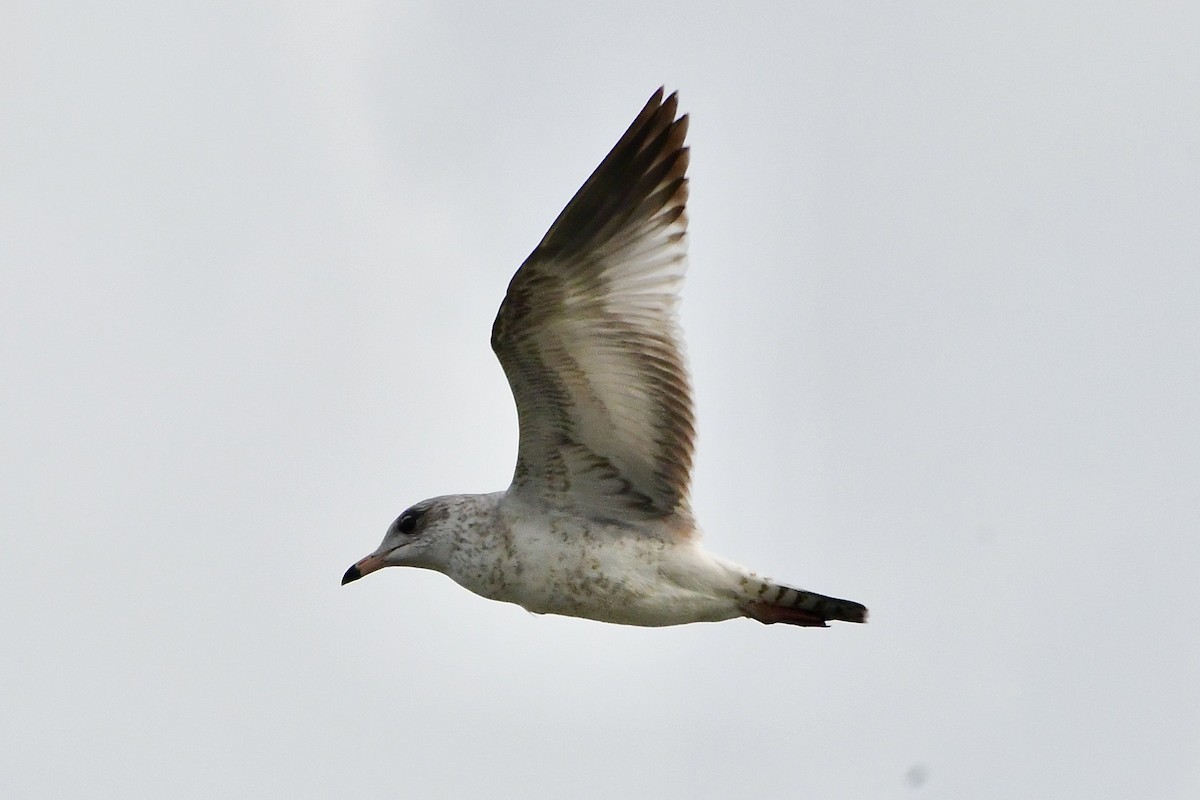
943, 318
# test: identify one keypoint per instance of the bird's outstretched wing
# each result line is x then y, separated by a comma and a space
589, 339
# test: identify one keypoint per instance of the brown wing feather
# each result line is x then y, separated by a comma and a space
588, 336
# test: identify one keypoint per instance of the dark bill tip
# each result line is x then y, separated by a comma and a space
352, 574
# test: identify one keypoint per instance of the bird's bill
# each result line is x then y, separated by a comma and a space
364, 566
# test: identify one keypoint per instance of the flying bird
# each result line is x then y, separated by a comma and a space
597, 522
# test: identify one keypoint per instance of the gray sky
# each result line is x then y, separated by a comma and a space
942, 317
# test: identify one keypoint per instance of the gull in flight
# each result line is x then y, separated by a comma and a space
597, 521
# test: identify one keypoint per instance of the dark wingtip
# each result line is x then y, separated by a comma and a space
352, 574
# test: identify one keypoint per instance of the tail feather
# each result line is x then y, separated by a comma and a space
775, 603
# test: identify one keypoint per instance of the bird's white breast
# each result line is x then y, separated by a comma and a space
553, 563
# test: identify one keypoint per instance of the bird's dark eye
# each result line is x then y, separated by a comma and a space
407, 522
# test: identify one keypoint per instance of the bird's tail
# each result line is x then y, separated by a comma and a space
770, 602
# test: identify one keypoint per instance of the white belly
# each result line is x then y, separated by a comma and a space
599, 573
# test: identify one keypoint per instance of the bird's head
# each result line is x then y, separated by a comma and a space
420, 537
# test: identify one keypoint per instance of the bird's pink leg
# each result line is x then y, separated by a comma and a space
768, 614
